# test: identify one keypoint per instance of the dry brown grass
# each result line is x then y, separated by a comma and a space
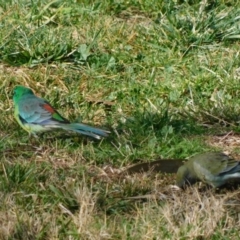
191, 214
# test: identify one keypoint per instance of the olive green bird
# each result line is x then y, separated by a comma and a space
35, 114
213, 168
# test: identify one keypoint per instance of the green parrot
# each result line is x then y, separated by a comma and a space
213, 168
35, 114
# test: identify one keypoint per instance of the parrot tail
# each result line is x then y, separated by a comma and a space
85, 130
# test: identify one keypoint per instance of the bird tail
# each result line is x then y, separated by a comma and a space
85, 130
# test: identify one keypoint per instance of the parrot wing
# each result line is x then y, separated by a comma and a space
231, 167
215, 163
36, 110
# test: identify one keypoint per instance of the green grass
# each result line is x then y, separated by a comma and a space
163, 76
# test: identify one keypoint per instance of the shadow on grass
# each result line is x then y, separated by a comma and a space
160, 125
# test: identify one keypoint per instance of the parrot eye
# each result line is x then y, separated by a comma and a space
14, 92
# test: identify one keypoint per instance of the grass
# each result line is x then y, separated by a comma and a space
163, 76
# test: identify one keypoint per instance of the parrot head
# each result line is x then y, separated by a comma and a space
20, 91
182, 176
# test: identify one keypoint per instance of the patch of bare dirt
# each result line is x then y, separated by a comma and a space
229, 143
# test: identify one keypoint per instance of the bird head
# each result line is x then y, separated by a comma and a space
20, 91
182, 176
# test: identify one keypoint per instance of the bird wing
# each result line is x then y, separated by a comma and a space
232, 166
36, 110
216, 163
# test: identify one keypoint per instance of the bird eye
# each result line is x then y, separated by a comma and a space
14, 92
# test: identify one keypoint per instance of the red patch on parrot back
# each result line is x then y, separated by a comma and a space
48, 108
